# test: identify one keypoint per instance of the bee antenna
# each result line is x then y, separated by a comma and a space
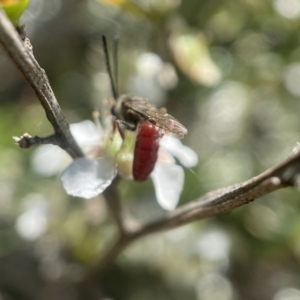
112, 83
115, 61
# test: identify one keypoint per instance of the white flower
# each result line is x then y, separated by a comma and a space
84, 177
49, 160
167, 176
89, 177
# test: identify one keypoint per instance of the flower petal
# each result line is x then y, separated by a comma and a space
86, 134
88, 178
168, 181
49, 160
187, 157
164, 156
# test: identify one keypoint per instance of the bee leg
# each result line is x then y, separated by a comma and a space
118, 126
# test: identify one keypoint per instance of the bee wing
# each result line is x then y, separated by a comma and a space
157, 117
166, 122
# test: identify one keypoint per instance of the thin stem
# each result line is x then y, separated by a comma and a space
27, 141
113, 202
125, 223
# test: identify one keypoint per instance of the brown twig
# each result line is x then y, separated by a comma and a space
26, 140
123, 220
113, 202
211, 204
21, 53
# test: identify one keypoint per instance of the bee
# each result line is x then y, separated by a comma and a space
151, 123
132, 110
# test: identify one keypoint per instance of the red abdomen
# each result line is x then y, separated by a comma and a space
145, 151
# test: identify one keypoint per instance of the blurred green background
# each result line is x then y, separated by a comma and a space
230, 72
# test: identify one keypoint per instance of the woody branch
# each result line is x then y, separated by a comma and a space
20, 51
211, 204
